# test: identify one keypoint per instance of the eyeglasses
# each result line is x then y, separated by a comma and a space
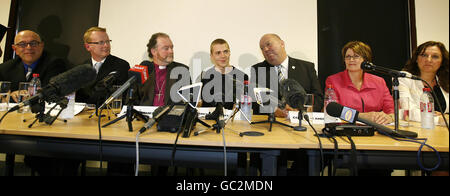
356, 57
32, 44
101, 43
434, 57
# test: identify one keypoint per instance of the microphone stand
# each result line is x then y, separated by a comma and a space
300, 118
271, 119
130, 114
47, 117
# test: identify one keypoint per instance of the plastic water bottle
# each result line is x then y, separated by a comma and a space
330, 96
35, 85
246, 103
427, 109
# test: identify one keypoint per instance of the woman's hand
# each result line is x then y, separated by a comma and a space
378, 117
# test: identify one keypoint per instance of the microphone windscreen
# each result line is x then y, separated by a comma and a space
366, 65
74, 79
140, 72
293, 93
334, 109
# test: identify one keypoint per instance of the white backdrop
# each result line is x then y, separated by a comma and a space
194, 24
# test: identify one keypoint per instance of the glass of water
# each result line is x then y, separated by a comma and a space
403, 111
309, 104
116, 104
5, 92
24, 94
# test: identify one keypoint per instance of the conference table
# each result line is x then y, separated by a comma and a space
78, 138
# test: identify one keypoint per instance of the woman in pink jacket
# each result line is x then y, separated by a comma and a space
359, 90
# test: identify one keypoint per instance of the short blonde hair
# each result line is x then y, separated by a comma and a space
218, 41
87, 34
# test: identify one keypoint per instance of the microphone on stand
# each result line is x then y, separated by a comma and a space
159, 112
351, 115
295, 95
366, 65
62, 85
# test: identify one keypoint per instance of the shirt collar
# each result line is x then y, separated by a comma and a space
33, 65
95, 62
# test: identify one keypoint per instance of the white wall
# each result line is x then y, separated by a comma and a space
432, 20
194, 24
4, 16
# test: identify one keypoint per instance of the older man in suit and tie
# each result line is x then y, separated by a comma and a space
283, 66
278, 63
31, 59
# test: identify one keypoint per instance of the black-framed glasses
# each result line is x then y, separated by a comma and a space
101, 43
32, 44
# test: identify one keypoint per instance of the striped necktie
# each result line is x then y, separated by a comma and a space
280, 73
29, 72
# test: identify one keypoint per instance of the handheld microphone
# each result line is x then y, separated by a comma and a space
159, 112
141, 73
366, 65
293, 92
351, 115
62, 85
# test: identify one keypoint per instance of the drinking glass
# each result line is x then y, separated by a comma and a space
5, 93
403, 111
309, 103
116, 104
24, 94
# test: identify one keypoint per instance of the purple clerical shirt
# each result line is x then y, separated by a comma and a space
160, 86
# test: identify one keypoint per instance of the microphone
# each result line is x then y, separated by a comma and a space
293, 93
109, 79
351, 115
157, 114
262, 94
371, 67
62, 85
141, 73
119, 91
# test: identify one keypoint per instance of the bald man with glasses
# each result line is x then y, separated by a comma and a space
31, 58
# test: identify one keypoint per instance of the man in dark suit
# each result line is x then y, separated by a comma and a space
276, 59
278, 65
32, 59
160, 89
98, 44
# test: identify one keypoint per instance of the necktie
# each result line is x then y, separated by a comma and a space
97, 66
29, 71
280, 73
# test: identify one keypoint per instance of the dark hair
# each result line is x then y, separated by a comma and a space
443, 72
153, 42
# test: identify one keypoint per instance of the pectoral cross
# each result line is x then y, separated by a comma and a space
159, 96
